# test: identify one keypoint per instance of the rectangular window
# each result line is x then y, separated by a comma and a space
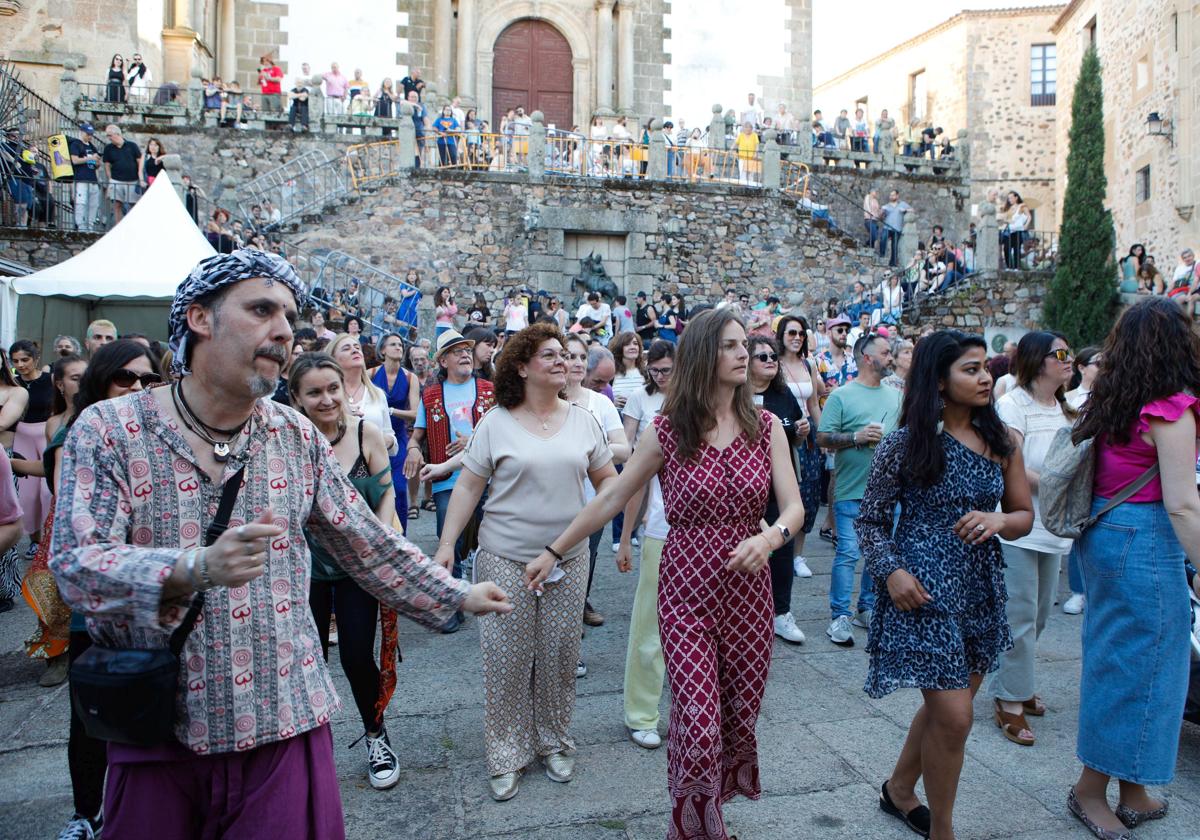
917, 95
1141, 186
1141, 74
1089, 34
1043, 74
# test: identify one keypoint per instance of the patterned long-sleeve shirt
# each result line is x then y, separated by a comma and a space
133, 500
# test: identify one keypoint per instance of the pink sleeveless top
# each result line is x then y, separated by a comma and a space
1117, 465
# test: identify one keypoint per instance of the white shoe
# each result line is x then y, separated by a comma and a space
635, 542
786, 629
505, 786
800, 568
1075, 604
839, 631
646, 738
863, 619
560, 767
383, 766
616, 547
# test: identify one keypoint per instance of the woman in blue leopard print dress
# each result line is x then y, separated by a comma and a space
939, 622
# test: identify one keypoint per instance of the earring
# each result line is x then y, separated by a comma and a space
941, 426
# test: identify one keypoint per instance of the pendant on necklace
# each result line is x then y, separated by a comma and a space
545, 426
221, 452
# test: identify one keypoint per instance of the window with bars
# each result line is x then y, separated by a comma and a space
1141, 184
1043, 74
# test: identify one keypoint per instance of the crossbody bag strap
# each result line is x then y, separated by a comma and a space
1127, 491
220, 523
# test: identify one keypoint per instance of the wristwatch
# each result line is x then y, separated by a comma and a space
783, 529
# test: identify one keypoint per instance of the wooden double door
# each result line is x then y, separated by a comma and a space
532, 70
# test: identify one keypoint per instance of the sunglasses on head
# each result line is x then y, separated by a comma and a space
124, 378
767, 357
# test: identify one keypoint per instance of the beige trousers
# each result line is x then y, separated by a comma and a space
529, 658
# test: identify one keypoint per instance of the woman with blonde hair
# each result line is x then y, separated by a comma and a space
363, 398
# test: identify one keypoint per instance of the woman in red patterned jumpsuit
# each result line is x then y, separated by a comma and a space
716, 456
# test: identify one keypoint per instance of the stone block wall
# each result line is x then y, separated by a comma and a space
40, 249
1012, 299
649, 58
259, 32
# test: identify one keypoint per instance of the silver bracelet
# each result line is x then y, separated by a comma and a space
208, 581
191, 568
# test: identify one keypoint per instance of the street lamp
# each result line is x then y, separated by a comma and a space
1156, 126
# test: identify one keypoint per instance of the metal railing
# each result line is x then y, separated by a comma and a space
794, 177
1030, 250
306, 184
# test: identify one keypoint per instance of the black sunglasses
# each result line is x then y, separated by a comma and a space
766, 357
793, 332
124, 378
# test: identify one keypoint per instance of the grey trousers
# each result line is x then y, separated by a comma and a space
1031, 578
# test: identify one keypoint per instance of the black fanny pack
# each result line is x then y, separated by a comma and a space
127, 695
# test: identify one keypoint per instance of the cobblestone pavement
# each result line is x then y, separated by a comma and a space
825, 747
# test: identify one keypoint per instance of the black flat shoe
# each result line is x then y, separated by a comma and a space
828, 535
917, 819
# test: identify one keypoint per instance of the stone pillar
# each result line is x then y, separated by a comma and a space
604, 54
466, 51
443, 22
987, 240
771, 168
625, 13
908, 238
962, 153
406, 138
195, 97
657, 170
173, 164
68, 88
227, 40
716, 128
537, 145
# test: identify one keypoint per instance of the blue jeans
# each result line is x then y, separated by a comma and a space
1074, 574
886, 236
441, 501
872, 232
841, 583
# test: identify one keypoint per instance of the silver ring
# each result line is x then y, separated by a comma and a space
241, 532
981, 527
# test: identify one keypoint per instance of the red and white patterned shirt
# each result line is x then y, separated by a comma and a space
133, 500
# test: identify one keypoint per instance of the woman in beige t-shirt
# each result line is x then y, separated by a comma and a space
532, 453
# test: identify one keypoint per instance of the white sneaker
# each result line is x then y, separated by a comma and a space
384, 767
646, 738
580, 669
839, 631
616, 547
786, 629
863, 619
79, 828
1075, 604
635, 542
800, 567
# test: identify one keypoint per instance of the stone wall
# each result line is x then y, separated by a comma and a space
976, 70
259, 33
1164, 38
1011, 299
40, 249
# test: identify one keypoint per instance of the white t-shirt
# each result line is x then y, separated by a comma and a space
628, 383
644, 408
1038, 424
602, 408
516, 317
601, 314
536, 484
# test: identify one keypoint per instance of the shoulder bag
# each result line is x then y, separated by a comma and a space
127, 695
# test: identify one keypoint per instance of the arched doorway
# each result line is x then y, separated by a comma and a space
532, 69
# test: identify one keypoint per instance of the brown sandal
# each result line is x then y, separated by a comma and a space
1034, 707
1012, 725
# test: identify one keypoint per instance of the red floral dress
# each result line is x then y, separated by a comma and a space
715, 626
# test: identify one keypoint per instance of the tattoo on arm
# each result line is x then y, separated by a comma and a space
835, 440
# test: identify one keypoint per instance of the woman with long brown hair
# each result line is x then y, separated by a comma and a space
804, 381
1143, 411
717, 456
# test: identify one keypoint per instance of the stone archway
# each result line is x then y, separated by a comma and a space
532, 68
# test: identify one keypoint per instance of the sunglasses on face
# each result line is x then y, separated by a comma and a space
841, 329
1061, 355
124, 378
766, 357
791, 333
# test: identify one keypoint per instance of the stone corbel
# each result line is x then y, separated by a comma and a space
1185, 211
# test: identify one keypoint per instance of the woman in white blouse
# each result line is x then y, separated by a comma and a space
363, 399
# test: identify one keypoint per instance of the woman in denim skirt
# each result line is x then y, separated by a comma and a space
1143, 411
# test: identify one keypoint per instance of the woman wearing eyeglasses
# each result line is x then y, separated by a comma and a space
28, 443
533, 453
805, 384
771, 392
1035, 410
115, 370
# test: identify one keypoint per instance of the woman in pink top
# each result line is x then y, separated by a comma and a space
444, 310
1143, 411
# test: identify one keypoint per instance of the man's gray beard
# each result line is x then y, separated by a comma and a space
261, 386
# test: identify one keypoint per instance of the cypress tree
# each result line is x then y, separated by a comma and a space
1082, 299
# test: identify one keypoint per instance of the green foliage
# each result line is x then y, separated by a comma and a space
1082, 299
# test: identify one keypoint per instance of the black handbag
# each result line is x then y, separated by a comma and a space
127, 695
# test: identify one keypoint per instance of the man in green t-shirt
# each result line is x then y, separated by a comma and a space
855, 418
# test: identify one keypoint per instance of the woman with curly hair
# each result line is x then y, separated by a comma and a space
532, 452
717, 457
938, 623
1143, 411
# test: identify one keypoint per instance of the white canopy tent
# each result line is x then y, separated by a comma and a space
134, 267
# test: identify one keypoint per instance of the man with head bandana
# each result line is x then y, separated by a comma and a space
142, 478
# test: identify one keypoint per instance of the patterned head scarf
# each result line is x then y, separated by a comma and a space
215, 273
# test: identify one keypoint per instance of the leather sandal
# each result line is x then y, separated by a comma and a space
1011, 725
918, 819
1034, 707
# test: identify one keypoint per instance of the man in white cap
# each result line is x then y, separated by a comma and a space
139, 550
450, 407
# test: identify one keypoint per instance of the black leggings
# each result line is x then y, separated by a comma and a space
87, 757
357, 616
781, 577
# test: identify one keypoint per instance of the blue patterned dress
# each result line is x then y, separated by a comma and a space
963, 630
397, 397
